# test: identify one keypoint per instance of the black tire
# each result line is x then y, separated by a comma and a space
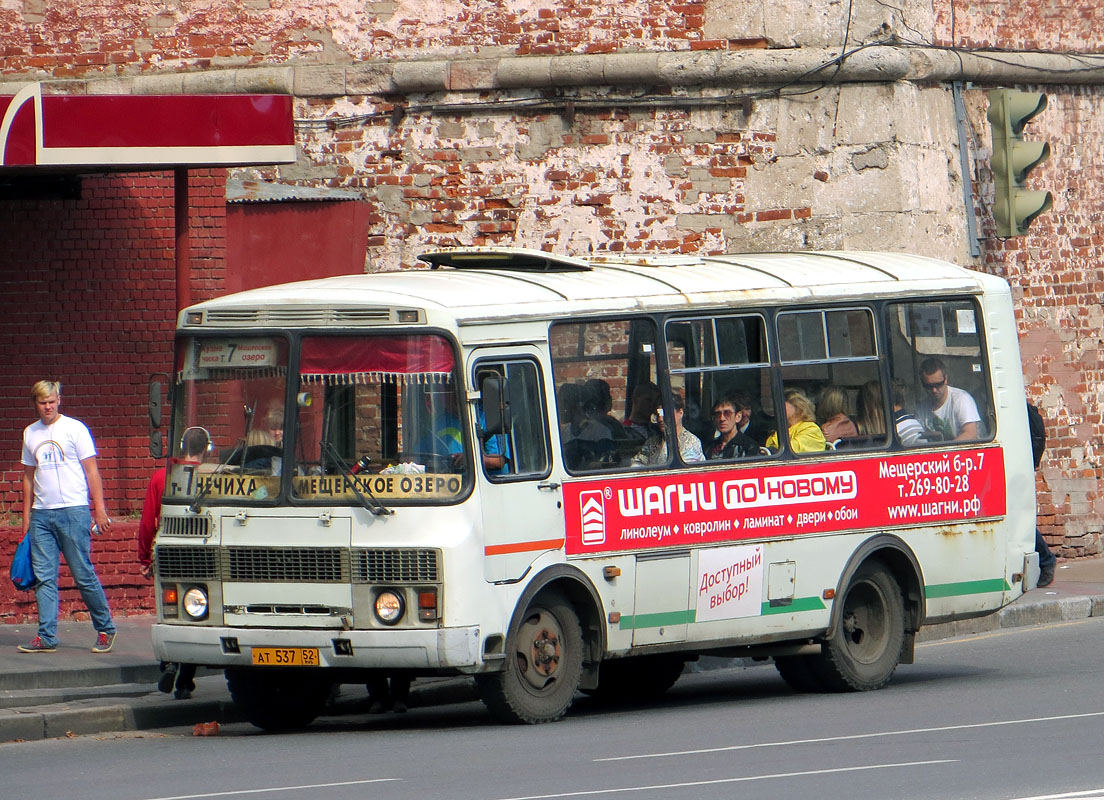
631, 680
278, 699
866, 646
800, 673
544, 663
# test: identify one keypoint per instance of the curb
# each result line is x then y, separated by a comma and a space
79, 677
50, 723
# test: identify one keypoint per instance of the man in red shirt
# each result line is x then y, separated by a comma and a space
193, 445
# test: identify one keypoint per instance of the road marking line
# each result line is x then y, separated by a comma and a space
1087, 794
730, 780
907, 732
273, 789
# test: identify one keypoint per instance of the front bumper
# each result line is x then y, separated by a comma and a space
440, 648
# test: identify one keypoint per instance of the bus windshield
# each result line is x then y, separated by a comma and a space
367, 420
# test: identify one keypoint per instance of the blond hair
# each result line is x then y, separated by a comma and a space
833, 402
802, 405
45, 389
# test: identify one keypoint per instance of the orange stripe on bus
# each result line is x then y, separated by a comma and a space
523, 547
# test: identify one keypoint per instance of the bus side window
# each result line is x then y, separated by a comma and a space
520, 449
831, 356
601, 369
721, 365
939, 370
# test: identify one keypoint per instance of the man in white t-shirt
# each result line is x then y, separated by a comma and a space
947, 409
59, 477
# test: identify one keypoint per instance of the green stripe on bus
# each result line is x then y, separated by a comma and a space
799, 604
657, 620
967, 587
629, 623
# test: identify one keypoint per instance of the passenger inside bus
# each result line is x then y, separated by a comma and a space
832, 414
871, 416
729, 414
910, 430
947, 409
641, 423
805, 435
597, 402
496, 446
586, 439
263, 445
654, 451
446, 444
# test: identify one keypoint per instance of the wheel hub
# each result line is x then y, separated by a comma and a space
545, 652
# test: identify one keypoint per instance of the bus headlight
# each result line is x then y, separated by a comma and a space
389, 607
195, 602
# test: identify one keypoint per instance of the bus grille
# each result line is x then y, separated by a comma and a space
186, 526
297, 316
285, 565
195, 563
395, 566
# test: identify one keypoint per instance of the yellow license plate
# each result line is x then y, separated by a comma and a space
285, 656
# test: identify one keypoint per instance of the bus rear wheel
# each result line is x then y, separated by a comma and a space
278, 699
544, 663
865, 648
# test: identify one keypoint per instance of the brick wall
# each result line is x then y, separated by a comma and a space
87, 296
115, 557
1057, 278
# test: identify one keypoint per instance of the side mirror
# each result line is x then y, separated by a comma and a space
496, 405
156, 408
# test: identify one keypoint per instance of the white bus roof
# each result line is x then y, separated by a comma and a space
482, 285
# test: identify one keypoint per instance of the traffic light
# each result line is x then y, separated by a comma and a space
1014, 206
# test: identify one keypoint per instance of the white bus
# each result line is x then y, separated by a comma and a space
516, 466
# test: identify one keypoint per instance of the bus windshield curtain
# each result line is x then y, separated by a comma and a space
401, 359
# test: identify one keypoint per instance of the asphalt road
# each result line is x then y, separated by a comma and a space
1017, 713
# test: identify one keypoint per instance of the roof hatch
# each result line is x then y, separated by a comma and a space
507, 258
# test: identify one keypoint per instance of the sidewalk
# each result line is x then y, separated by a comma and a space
76, 691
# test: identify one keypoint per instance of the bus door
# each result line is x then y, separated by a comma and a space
662, 611
521, 510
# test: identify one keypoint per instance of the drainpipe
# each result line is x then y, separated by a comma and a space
183, 243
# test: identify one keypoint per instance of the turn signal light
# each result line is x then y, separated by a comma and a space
169, 600
427, 606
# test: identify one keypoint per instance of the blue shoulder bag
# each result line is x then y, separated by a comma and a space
22, 572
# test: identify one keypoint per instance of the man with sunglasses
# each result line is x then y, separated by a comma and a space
947, 409
729, 416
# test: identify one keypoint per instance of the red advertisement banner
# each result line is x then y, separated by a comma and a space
690, 507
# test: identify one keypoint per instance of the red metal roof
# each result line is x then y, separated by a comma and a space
132, 131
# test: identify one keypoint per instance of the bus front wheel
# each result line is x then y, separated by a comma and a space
866, 646
544, 663
278, 699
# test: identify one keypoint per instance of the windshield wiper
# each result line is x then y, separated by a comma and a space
206, 488
367, 499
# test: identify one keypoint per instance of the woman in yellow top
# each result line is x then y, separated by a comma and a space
805, 435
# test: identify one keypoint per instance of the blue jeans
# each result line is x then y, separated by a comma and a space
65, 531
1046, 557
